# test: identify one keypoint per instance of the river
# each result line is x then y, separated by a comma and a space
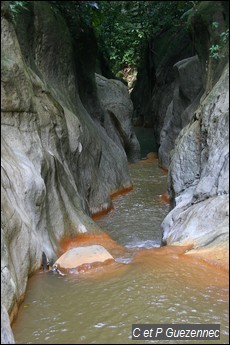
146, 284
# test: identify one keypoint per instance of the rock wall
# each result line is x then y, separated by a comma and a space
187, 90
188, 108
118, 127
199, 179
207, 23
177, 70
6, 332
153, 90
198, 182
59, 166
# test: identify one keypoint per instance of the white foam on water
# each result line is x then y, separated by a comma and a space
143, 244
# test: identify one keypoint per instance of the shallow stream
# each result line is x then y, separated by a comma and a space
145, 285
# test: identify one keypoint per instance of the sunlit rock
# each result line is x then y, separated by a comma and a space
199, 177
58, 164
83, 255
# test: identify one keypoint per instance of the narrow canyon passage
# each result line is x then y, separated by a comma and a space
86, 86
145, 285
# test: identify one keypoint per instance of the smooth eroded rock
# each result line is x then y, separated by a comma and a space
58, 164
83, 255
199, 178
6, 332
118, 109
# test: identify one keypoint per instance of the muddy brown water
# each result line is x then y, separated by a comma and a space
146, 284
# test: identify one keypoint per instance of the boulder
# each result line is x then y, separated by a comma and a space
75, 257
118, 110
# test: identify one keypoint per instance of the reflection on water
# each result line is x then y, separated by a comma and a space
146, 285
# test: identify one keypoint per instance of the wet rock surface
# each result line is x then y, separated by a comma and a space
86, 255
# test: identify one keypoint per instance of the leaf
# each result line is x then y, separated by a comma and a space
215, 25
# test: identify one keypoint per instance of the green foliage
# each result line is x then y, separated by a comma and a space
224, 36
80, 15
215, 25
17, 7
217, 50
128, 26
123, 28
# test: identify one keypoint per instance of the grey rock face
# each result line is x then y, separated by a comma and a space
153, 89
187, 92
202, 224
199, 175
6, 332
118, 111
58, 165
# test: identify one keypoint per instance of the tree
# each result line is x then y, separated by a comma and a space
123, 28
